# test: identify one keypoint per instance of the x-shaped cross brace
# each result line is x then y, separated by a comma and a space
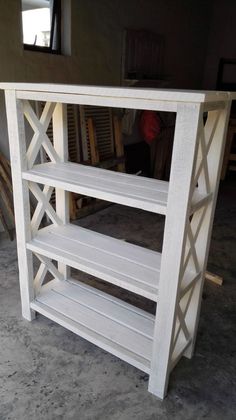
43, 197
40, 137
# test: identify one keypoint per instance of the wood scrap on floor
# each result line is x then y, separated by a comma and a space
214, 278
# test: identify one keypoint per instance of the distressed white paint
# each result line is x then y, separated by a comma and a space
186, 131
16, 132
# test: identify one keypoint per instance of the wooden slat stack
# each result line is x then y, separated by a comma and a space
6, 198
101, 144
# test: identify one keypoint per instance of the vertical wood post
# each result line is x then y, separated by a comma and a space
16, 130
185, 143
60, 138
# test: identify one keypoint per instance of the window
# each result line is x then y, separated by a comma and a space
226, 78
41, 23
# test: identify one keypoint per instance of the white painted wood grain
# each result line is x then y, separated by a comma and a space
123, 92
124, 189
112, 324
130, 190
187, 126
126, 265
40, 137
16, 133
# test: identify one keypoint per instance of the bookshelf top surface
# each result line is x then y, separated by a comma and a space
151, 94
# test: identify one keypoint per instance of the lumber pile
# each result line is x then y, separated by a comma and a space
6, 197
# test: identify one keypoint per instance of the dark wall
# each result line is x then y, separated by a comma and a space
98, 46
221, 40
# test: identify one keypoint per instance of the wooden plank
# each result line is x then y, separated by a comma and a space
214, 278
145, 257
129, 190
5, 174
92, 336
132, 180
73, 208
118, 142
123, 92
6, 165
87, 181
126, 265
102, 272
103, 129
4, 224
129, 328
7, 200
113, 308
21, 200
112, 102
73, 133
93, 142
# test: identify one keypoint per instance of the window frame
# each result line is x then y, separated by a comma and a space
55, 32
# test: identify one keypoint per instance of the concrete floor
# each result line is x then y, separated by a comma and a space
47, 372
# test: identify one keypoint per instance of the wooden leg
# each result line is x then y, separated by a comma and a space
16, 132
168, 310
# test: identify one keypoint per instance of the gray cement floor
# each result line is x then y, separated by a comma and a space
47, 372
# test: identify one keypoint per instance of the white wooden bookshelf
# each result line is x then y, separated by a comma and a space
173, 279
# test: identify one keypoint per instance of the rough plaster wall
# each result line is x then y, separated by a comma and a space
221, 40
182, 23
97, 33
97, 29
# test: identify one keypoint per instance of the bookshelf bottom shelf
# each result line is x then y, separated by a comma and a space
108, 322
